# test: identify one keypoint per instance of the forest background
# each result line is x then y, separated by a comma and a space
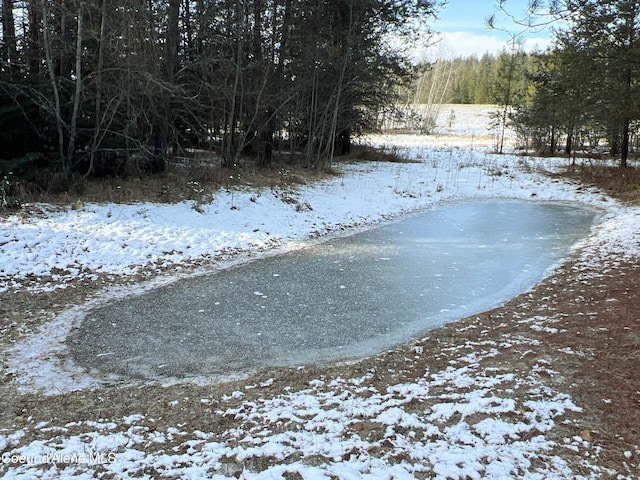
105, 88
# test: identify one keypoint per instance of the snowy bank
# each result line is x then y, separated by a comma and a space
117, 239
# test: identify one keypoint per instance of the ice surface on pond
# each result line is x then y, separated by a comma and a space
346, 298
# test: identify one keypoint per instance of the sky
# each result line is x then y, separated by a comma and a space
463, 30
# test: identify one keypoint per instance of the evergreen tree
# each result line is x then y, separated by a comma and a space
590, 82
88, 86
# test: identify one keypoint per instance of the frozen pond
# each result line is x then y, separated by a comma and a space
346, 298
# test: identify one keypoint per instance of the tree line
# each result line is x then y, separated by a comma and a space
586, 87
501, 80
471, 79
581, 91
90, 85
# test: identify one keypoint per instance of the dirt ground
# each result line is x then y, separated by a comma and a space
594, 348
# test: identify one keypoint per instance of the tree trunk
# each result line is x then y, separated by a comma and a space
229, 150
339, 90
54, 83
624, 146
9, 38
66, 53
343, 142
98, 112
569, 146
78, 92
34, 56
614, 146
161, 135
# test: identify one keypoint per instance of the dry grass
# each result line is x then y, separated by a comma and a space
182, 181
361, 153
606, 174
186, 179
197, 178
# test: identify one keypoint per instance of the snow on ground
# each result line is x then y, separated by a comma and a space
124, 239
459, 422
325, 422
